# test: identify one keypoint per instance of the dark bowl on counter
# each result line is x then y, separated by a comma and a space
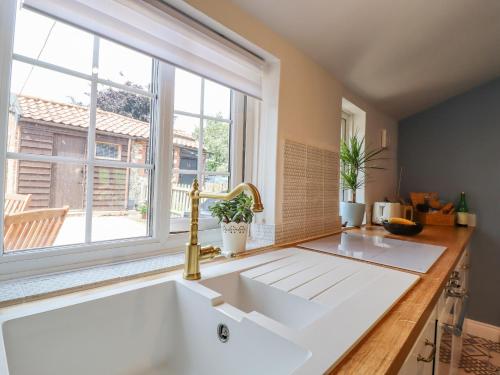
403, 229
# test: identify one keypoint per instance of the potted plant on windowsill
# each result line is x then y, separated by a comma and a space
234, 216
355, 163
143, 209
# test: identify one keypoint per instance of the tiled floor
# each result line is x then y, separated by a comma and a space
479, 356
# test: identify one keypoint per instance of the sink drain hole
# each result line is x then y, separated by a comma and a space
223, 332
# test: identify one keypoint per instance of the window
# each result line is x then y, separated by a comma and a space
106, 141
353, 122
72, 91
108, 151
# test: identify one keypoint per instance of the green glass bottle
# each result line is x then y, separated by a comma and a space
462, 211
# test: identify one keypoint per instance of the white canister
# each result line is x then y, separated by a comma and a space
234, 237
471, 220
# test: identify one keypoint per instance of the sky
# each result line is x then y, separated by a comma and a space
38, 36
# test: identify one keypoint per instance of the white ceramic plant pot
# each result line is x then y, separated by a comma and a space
234, 238
353, 213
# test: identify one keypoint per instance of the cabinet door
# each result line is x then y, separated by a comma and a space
420, 361
463, 267
449, 344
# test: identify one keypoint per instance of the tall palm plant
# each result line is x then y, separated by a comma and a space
355, 163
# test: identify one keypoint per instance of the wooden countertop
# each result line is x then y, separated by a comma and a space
385, 348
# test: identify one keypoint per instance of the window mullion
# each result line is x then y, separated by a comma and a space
201, 167
164, 152
91, 142
72, 160
74, 73
7, 27
126, 88
236, 146
204, 116
49, 66
232, 142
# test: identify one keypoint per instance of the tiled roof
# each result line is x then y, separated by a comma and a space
75, 115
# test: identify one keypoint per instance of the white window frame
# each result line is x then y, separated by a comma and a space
346, 131
52, 259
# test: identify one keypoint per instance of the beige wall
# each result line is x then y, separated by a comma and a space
309, 98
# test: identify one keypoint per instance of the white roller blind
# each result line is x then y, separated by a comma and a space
155, 31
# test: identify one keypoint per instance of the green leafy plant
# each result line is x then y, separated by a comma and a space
355, 162
143, 208
236, 210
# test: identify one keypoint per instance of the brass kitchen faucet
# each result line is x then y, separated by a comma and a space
194, 252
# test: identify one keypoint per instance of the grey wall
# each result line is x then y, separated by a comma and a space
454, 147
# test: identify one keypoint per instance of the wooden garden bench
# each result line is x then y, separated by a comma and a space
33, 229
15, 203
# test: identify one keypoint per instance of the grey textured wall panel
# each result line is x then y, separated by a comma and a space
454, 147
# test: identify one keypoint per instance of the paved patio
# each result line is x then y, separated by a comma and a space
103, 228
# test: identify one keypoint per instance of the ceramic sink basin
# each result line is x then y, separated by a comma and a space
161, 329
250, 295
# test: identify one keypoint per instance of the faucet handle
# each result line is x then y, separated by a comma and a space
209, 252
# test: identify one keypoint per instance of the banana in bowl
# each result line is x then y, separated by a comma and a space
404, 227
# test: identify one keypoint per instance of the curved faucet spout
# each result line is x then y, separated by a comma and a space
257, 205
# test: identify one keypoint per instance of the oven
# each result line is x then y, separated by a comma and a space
452, 309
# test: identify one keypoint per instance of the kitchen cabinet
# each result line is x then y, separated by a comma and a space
444, 327
452, 308
420, 361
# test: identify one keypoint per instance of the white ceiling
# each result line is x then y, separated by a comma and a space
402, 55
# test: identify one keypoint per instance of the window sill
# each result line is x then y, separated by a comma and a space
23, 290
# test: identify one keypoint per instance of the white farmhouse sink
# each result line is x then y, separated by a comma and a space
162, 329
283, 312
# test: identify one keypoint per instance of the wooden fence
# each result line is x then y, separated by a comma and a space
180, 200
180, 203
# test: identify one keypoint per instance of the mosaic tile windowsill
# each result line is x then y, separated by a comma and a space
33, 288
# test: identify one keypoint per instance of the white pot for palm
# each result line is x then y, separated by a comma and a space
352, 213
234, 237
